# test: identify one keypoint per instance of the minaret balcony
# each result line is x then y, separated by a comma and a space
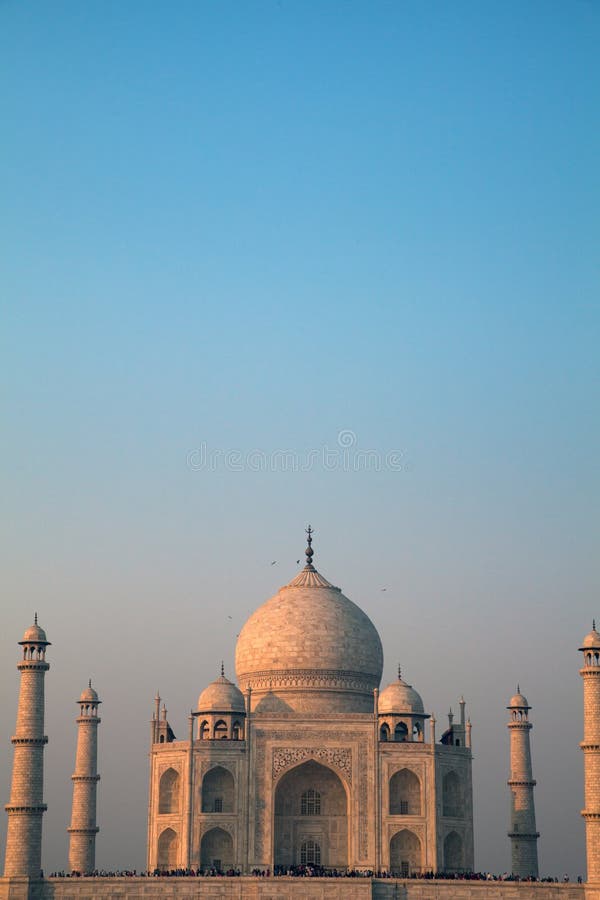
29, 741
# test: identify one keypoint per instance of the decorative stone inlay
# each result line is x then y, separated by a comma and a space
363, 766
339, 757
308, 678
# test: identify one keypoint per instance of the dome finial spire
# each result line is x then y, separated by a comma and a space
35, 618
309, 552
518, 688
222, 669
399, 672
593, 624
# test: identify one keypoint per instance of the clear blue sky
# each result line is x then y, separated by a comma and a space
249, 226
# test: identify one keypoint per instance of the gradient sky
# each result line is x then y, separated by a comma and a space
250, 227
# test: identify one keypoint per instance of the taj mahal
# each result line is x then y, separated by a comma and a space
302, 761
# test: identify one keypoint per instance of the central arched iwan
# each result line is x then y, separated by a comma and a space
311, 811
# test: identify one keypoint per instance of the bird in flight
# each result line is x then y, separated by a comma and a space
274, 563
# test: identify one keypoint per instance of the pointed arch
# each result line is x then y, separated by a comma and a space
204, 730
168, 792
453, 852
384, 732
220, 730
218, 790
452, 795
311, 803
168, 846
405, 853
405, 794
237, 731
401, 732
216, 850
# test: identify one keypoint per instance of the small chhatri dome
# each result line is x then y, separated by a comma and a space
309, 648
518, 701
221, 696
89, 695
34, 634
592, 640
400, 697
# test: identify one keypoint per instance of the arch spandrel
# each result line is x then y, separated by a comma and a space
339, 759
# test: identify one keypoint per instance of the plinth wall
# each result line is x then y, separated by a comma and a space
250, 888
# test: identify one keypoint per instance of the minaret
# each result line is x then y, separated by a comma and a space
83, 829
591, 750
26, 807
523, 835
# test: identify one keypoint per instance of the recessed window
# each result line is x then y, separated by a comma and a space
218, 804
310, 803
310, 854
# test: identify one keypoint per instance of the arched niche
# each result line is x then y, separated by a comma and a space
218, 791
168, 792
405, 853
453, 852
311, 804
405, 794
452, 795
216, 850
168, 846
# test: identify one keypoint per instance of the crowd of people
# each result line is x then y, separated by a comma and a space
304, 871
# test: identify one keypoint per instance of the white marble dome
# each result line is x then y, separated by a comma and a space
309, 648
400, 697
221, 696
